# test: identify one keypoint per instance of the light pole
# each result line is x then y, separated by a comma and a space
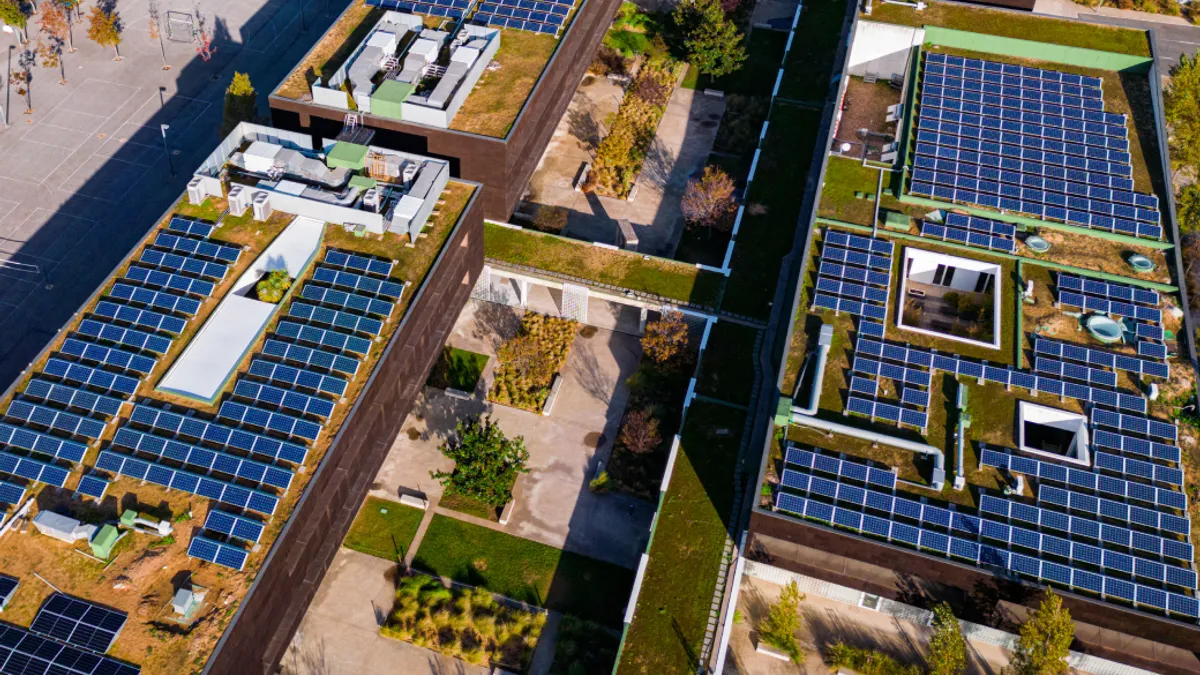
8, 85
167, 147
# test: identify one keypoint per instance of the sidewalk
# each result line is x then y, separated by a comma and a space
1071, 10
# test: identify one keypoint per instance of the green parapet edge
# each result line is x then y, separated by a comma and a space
1041, 51
1142, 283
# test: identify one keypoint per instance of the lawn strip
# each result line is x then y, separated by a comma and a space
814, 48
845, 180
624, 269
673, 606
727, 370
525, 570
384, 529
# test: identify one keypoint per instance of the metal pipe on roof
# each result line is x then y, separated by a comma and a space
939, 458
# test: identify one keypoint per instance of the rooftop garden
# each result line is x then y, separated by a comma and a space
655, 276
143, 569
500, 95
1016, 25
332, 50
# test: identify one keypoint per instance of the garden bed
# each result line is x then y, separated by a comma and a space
528, 362
465, 624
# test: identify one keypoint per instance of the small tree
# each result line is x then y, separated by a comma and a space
16, 14
1188, 204
1182, 110
104, 28
241, 103
22, 78
272, 288
947, 648
1045, 640
779, 627
486, 463
56, 29
708, 201
639, 431
665, 338
712, 41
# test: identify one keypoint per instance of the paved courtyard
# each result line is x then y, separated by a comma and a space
340, 632
86, 174
553, 503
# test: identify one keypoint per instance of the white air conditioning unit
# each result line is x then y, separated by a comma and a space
195, 192
372, 199
410, 171
262, 206
239, 200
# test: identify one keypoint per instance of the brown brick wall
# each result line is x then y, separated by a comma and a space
1103, 628
503, 166
261, 631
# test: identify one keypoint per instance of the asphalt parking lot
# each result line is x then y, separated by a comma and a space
86, 174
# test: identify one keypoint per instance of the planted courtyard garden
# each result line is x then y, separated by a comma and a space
528, 362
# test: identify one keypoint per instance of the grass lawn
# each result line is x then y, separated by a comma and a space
338, 43
672, 610
209, 210
810, 63
701, 245
772, 210
843, 178
676, 281
525, 570
384, 528
764, 52
500, 95
458, 369
1014, 25
727, 369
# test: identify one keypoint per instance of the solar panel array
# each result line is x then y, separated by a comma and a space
204, 458
362, 264
220, 553
854, 275
973, 231
91, 486
191, 228
179, 479
24, 652
1070, 542
11, 493
535, 16
78, 622
1022, 144
1099, 358
1138, 305
233, 525
77, 373
453, 9
1006, 376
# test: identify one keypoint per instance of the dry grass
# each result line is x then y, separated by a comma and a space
332, 51
500, 95
142, 581
1101, 255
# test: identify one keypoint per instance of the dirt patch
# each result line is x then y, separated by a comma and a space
864, 114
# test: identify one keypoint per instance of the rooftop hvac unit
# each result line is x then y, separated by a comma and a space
371, 199
195, 192
410, 171
262, 206
239, 200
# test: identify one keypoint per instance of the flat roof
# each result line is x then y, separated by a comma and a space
494, 103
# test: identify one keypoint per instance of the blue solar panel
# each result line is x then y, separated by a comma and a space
90, 377
205, 486
284, 351
335, 318
109, 356
331, 339
168, 302
358, 283
358, 263
217, 552
204, 249
790, 503
210, 432
92, 486
10, 493
173, 282
31, 469
298, 377
128, 337
44, 444
192, 228
229, 524
55, 419
115, 311
210, 460
269, 420
173, 262
283, 398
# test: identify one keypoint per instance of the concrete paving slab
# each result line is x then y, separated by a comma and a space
104, 178
59, 137
87, 122
49, 236
121, 147
31, 162
95, 96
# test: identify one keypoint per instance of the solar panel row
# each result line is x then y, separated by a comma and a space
1074, 371
1143, 426
204, 249
1108, 508
58, 420
90, 377
360, 304
1127, 466
91, 486
1110, 290
1099, 358
78, 622
520, 19
1135, 446
342, 342
283, 398
853, 273
1018, 170
233, 525
139, 317
209, 460
108, 356
10, 493
191, 228
1010, 69
1092, 303
888, 412
868, 366
1115, 136
24, 652
175, 282
968, 88
178, 479
210, 550
957, 235
51, 392
32, 469
1152, 350
172, 262
358, 283
1084, 480
42, 444
358, 263
335, 318
269, 420
285, 351
218, 434
454, 9
1025, 111
844, 469
126, 337
298, 377
1048, 139
165, 301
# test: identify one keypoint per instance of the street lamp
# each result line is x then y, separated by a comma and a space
8, 86
167, 147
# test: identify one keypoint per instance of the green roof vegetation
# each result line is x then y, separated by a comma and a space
727, 369
673, 280
525, 570
677, 591
814, 49
1016, 25
499, 96
842, 194
338, 43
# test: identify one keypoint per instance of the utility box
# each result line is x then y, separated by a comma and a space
102, 544
893, 220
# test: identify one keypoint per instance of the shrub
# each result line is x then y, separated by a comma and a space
639, 431
742, 123
466, 624
600, 484
1045, 640
947, 648
779, 627
486, 463
273, 286
550, 219
708, 202
620, 155
526, 364
665, 338
1189, 208
866, 661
